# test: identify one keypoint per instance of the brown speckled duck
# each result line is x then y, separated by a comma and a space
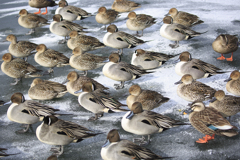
41, 4
233, 83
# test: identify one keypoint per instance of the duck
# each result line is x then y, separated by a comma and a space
143, 122
52, 157
46, 90
139, 22
224, 44
121, 71
176, 32
71, 13
87, 43
125, 5
18, 68
55, 131
31, 21
233, 83
75, 83
106, 16
209, 121
3, 154
50, 58
227, 105
86, 61
116, 148
149, 59
184, 18
148, 98
21, 49
192, 90
119, 40
62, 27
196, 67
97, 101
27, 112
41, 4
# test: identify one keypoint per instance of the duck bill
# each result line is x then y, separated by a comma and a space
178, 82
65, 81
79, 91
213, 100
7, 103
176, 61
187, 111
106, 143
130, 115
167, 14
229, 79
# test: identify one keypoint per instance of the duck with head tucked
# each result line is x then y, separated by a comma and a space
148, 59
46, 90
71, 13
176, 32
184, 18
98, 101
75, 83
50, 58
143, 122
86, 61
192, 90
195, 67
233, 83
121, 71
54, 131
27, 112
138, 22
32, 21
125, 5
148, 98
41, 4
86, 43
209, 121
20, 48
62, 27
224, 44
119, 40
18, 68
227, 105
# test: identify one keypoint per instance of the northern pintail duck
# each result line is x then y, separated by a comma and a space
54, 131
97, 101
233, 83
41, 4
62, 27
121, 71
86, 43
195, 67
119, 40
209, 121
138, 22
32, 21
124, 5
142, 122
176, 32
149, 99
115, 148
50, 58
18, 68
184, 18
225, 44
20, 48
148, 59
71, 13
106, 16
75, 83
46, 90
86, 61
27, 112
225, 104
192, 90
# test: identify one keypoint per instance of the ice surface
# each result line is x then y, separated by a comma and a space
219, 17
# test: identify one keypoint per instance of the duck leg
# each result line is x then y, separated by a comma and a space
31, 31
16, 81
57, 151
94, 118
231, 58
45, 12
63, 41
38, 11
205, 139
25, 129
221, 58
142, 140
174, 45
119, 86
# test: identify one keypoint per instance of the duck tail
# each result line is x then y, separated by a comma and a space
198, 22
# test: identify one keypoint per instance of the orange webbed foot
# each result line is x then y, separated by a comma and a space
45, 12
230, 59
38, 12
202, 140
221, 58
